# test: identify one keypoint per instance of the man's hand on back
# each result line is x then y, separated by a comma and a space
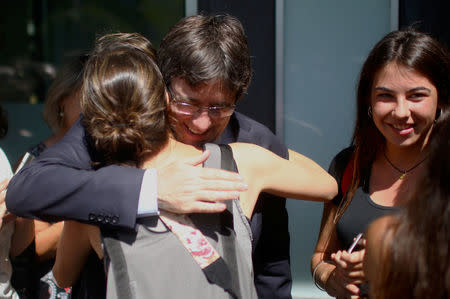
185, 188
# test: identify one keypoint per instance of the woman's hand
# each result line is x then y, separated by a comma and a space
345, 279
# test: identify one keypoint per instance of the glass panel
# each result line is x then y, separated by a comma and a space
325, 44
36, 37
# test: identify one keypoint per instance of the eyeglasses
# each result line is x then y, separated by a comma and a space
182, 107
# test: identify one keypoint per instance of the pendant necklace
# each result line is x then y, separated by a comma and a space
403, 172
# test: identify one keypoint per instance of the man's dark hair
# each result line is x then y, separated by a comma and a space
202, 49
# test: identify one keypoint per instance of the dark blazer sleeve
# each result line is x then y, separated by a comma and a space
61, 184
269, 223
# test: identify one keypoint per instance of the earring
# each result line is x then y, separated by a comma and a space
438, 114
61, 113
369, 111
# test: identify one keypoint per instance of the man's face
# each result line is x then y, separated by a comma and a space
203, 126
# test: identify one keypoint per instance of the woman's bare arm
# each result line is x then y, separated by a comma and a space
73, 250
22, 237
299, 177
327, 244
336, 270
47, 237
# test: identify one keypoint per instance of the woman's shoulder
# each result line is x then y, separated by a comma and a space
343, 156
337, 169
249, 150
247, 153
339, 162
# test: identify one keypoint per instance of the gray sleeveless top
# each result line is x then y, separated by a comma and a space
153, 263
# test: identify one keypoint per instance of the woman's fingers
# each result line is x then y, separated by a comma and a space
353, 259
341, 287
352, 288
349, 266
338, 261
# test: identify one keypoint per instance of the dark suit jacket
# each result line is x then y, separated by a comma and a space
63, 184
269, 223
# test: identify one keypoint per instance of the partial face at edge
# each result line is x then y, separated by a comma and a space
404, 104
72, 109
200, 128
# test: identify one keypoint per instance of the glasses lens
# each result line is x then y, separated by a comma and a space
184, 108
220, 112
213, 112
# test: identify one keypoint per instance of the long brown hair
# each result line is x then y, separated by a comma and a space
123, 100
416, 260
413, 50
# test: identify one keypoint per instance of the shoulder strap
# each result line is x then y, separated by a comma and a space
115, 257
225, 274
214, 159
221, 157
227, 160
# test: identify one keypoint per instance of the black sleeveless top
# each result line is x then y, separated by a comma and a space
362, 210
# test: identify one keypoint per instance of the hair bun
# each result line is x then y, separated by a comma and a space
123, 101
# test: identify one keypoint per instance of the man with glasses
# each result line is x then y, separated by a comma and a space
201, 114
205, 62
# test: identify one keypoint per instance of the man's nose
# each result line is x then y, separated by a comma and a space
202, 121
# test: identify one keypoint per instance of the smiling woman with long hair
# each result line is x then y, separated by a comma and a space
402, 96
